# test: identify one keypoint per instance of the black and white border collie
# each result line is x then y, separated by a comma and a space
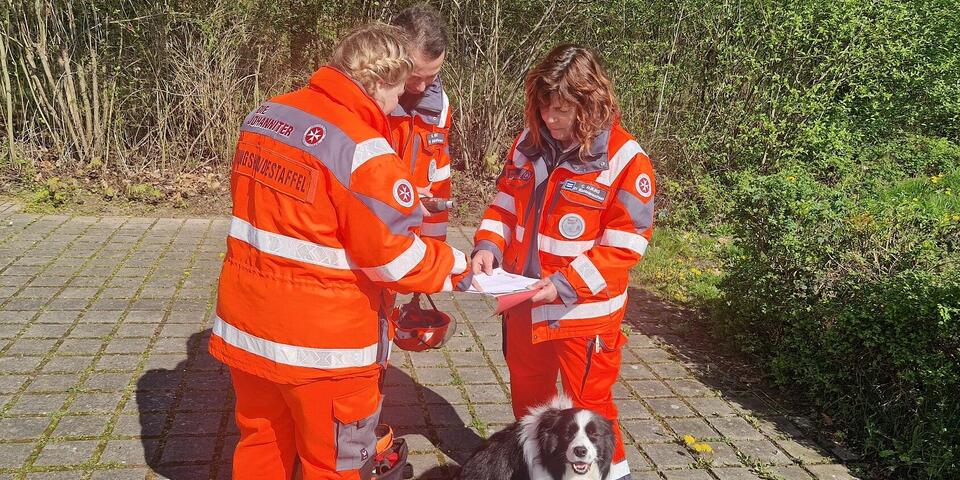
553, 442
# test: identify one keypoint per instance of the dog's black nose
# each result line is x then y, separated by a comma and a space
580, 451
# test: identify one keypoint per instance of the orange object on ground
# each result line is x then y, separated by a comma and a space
422, 131
329, 424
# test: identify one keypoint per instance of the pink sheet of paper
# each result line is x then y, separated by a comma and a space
511, 300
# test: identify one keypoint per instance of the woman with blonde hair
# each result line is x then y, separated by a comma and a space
322, 210
574, 207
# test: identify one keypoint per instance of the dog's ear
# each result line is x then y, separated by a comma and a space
604, 444
546, 431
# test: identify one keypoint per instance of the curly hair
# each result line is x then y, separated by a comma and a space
574, 74
374, 52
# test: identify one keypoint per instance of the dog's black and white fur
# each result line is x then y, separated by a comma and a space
553, 442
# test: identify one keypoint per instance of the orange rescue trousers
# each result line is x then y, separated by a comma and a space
329, 423
587, 370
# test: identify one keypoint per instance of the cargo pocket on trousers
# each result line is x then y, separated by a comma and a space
599, 345
356, 416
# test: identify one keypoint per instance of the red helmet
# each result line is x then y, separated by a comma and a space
417, 329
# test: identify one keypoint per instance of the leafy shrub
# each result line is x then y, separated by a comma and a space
851, 291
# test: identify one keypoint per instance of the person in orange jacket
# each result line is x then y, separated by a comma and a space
574, 207
322, 211
421, 121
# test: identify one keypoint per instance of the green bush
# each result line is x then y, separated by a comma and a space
850, 290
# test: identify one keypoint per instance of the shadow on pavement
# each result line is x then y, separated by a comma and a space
186, 415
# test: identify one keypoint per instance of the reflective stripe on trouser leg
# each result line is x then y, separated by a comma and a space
596, 393
533, 367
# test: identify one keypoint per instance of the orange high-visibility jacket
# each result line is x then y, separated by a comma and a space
423, 141
583, 225
322, 212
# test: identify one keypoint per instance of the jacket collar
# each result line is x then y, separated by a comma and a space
427, 105
596, 159
342, 89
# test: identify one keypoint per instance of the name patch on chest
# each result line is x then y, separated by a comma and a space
592, 192
436, 138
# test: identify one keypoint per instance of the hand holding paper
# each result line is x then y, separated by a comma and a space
500, 282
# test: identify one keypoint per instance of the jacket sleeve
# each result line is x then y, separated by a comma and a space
626, 229
375, 213
500, 218
435, 225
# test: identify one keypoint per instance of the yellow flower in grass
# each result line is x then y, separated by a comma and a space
956, 218
702, 448
935, 179
689, 440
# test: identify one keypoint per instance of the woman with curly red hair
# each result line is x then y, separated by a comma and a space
574, 207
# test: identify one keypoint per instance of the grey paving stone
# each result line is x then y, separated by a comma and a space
38, 404
407, 416
107, 381
735, 473
443, 395
81, 426
12, 455
791, 473
667, 455
58, 475
92, 330
70, 452
139, 425
449, 415
486, 394
723, 455
831, 472
632, 409
804, 450
735, 428
120, 474
22, 428
127, 452
127, 345
689, 388
635, 372
96, 315
762, 451
687, 475
477, 375
86, 402
201, 423
80, 346
645, 431
495, 413
19, 364
73, 363
670, 407
711, 406
650, 388
46, 330
124, 362
31, 346
696, 427
54, 383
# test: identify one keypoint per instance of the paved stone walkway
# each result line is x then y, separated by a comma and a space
104, 372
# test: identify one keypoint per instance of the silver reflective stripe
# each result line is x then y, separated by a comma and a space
368, 149
294, 354
619, 161
433, 229
444, 111
621, 239
459, 262
400, 266
618, 471
506, 202
640, 212
589, 273
289, 247
580, 311
519, 233
563, 248
440, 174
447, 285
496, 227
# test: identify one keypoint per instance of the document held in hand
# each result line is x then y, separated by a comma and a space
500, 282
509, 289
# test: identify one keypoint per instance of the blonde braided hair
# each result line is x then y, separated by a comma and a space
374, 52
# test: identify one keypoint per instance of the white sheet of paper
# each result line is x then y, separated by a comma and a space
500, 282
